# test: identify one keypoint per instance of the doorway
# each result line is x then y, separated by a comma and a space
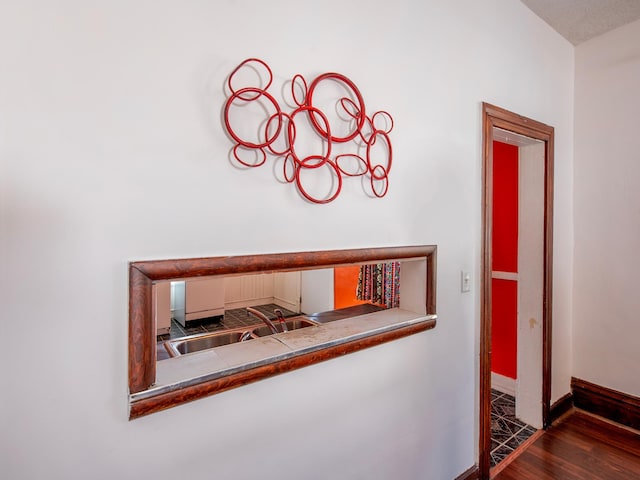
526, 280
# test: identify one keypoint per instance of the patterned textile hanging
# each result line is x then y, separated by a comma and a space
380, 284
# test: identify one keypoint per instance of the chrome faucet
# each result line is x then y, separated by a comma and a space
264, 318
245, 336
283, 322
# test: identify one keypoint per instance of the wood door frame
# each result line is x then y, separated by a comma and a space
493, 116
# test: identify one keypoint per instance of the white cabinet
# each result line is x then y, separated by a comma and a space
204, 298
161, 293
196, 299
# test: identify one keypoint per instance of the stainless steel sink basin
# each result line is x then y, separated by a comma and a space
184, 345
291, 325
197, 343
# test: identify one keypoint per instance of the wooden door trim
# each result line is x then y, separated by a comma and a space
493, 116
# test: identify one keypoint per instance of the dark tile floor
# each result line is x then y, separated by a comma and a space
233, 318
507, 432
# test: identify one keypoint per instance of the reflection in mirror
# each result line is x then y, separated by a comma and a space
201, 326
194, 308
192, 314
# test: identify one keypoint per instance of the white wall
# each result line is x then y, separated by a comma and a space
607, 210
112, 150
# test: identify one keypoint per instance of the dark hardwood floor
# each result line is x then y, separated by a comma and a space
580, 447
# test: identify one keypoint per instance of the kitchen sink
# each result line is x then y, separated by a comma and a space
197, 343
184, 345
295, 324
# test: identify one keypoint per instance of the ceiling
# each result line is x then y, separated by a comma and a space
581, 20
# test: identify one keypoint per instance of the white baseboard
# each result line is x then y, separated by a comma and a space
248, 303
284, 303
503, 384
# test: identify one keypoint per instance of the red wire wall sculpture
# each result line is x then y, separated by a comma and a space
276, 135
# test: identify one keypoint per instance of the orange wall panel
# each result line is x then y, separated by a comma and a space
345, 284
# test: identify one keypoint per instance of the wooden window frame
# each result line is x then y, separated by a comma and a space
142, 334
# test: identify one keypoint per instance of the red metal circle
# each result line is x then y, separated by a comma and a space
259, 91
370, 143
238, 95
296, 166
246, 164
379, 178
340, 78
365, 168
292, 130
266, 133
304, 88
350, 107
389, 118
306, 195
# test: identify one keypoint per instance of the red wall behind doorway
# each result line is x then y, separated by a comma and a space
504, 319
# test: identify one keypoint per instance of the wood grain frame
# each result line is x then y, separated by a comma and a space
493, 116
142, 341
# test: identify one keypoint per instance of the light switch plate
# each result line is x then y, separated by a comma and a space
465, 281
